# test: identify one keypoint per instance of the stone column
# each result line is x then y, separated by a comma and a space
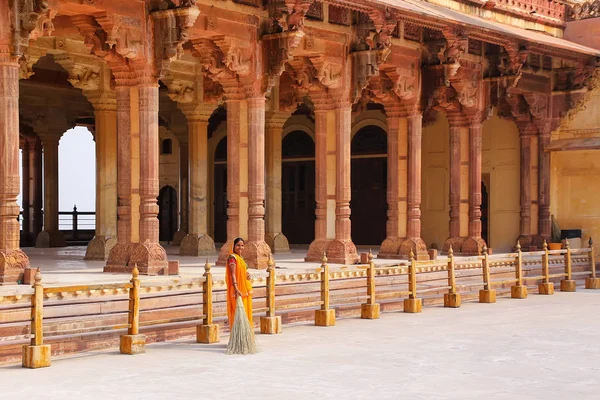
544, 223
26, 194
149, 256
106, 183
35, 187
474, 243
183, 191
51, 236
198, 242
526, 132
342, 250
323, 118
13, 260
454, 239
275, 237
414, 242
256, 252
390, 247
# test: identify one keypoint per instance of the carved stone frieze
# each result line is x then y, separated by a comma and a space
81, 76
125, 34
467, 84
513, 64
583, 10
281, 48
31, 19
457, 44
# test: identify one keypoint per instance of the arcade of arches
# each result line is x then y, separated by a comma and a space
328, 124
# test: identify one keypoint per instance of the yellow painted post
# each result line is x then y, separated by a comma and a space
325, 316
592, 282
371, 309
568, 284
519, 291
37, 354
208, 332
546, 287
451, 299
270, 324
412, 304
487, 295
134, 342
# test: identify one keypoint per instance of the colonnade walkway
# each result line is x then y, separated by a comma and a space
545, 347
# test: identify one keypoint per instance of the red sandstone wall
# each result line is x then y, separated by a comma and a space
585, 32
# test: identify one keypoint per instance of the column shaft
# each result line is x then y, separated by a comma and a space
50, 183
545, 224
455, 183
36, 189
124, 156
26, 195
525, 177
184, 163
474, 244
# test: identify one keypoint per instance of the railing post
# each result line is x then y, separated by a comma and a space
371, 309
519, 291
487, 295
412, 304
451, 299
592, 282
568, 284
134, 342
37, 354
271, 323
325, 316
75, 233
546, 287
207, 332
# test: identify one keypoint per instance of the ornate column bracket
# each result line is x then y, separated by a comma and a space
456, 46
287, 15
512, 66
30, 20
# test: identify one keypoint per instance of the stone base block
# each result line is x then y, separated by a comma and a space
342, 252
433, 254
316, 250
223, 253
150, 258
36, 356
487, 296
197, 245
518, 292
452, 300
325, 317
390, 248
525, 241
46, 239
257, 255
278, 243
99, 248
178, 238
208, 334
592, 283
118, 259
473, 246
29, 275
413, 305
12, 266
133, 344
567, 285
417, 246
546, 288
173, 267
270, 325
454, 242
370, 311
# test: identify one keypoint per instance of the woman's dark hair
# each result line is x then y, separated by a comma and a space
237, 240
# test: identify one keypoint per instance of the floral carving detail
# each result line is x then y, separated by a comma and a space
34, 19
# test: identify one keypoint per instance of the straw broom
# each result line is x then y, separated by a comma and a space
241, 340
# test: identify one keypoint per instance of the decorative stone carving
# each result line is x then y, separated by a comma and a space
33, 19
513, 64
456, 46
538, 105
583, 10
124, 34
280, 48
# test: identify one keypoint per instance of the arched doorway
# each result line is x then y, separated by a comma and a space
220, 197
298, 187
167, 213
369, 186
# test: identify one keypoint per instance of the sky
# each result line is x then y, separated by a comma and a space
76, 170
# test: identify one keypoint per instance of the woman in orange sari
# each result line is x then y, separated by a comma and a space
238, 282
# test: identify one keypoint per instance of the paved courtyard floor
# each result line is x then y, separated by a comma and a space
544, 347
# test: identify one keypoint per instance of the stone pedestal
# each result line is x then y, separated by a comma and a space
413, 305
592, 283
183, 191
325, 317
208, 334
487, 296
133, 344
278, 243
568, 285
370, 311
197, 245
546, 288
36, 356
455, 242
150, 258
473, 246
418, 247
518, 292
270, 325
50, 236
99, 248
452, 300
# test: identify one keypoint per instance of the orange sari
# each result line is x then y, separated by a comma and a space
244, 286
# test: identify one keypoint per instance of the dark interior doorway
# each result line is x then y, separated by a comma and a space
167, 213
369, 186
220, 198
485, 213
298, 187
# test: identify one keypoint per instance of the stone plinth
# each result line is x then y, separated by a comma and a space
36, 356
417, 246
592, 283
12, 266
452, 300
518, 292
316, 250
178, 238
278, 243
325, 317
197, 245
342, 252
567, 285
270, 325
546, 288
390, 248
99, 248
473, 246
487, 296
257, 254
413, 305
207, 334
133, 344
370, 311
46, 239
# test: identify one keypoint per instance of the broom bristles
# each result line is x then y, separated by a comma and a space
241, 339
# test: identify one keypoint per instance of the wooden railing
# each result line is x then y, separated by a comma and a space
130, 307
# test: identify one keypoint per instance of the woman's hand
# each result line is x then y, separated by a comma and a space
248, 276
237, 293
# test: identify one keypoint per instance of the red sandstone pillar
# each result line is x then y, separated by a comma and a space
342, 250
149, 256
198, 242
183, 192
474, 243
391, 245
12, 259
319, 246
454, 238
414, 242
544, 224
35, 187
26, 194
526, 132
